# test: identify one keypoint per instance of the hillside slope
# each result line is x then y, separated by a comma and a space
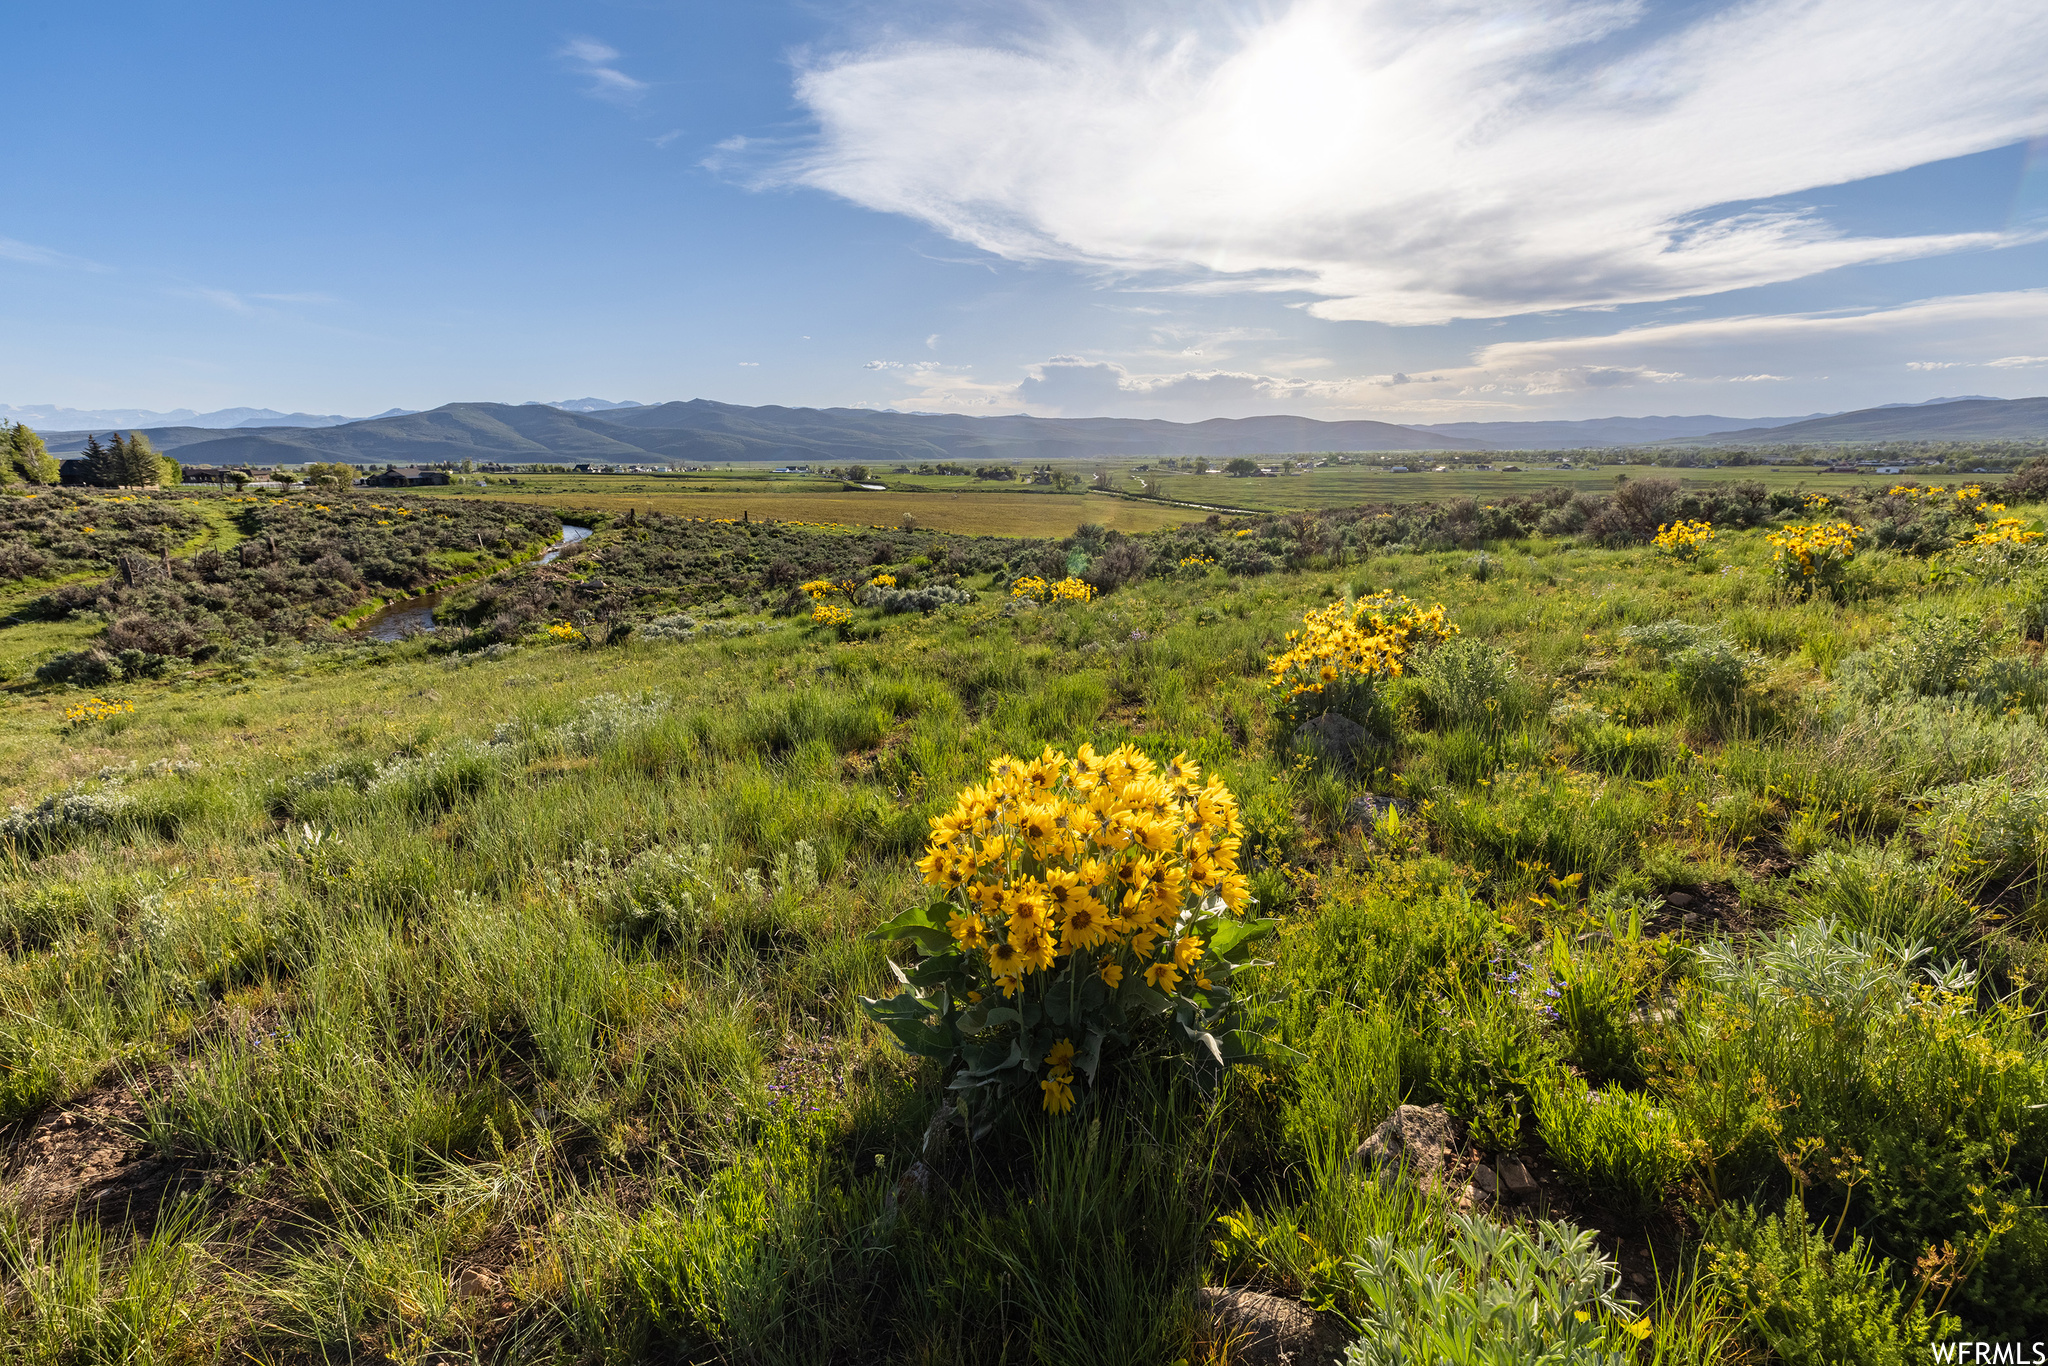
701, 430
1984, 419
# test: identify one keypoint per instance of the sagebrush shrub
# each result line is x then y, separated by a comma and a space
1470, 681
1494, 1295
1714, 673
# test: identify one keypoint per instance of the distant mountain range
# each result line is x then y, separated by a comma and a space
701, 431
1595, 431
1966, 419
41, 415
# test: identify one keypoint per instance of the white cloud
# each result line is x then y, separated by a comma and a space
1413, 163
1585, 376
29, 254
1934, 364
594, 60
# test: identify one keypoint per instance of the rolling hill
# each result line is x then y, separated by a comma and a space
704, 431
1977, 419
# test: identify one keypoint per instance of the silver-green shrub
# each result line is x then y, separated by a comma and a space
1466, 680
1496, 1296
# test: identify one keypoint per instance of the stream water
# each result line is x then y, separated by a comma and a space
409, 615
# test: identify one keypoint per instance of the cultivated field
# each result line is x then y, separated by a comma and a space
1347, 486
751, 943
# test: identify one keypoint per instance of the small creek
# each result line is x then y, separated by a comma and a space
409, 615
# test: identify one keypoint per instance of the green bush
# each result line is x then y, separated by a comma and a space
1935, 652
1811, 1303
1467, 681
1618, 1142
1492, 1297
1715, 673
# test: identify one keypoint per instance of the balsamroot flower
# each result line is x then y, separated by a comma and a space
1075, 893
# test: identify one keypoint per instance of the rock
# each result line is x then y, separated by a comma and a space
1483, 1179
474, 1283
1268, 1330
1679, 899
915, 1186
1515, 1179
1363, 811
1422, 1137
1339, 739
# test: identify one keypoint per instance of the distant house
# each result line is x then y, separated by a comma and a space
1838, 469
1397, 469
1510, 469
406, 476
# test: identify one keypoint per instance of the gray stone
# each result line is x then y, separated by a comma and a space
1418, 1136
1339, 739
1679, 899
1483, 1179
1269, 1330
1515, 1179
1363, 810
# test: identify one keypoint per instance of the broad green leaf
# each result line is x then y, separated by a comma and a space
920, 927
1234, 936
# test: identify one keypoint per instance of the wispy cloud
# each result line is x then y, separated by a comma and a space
1410, 163
2017, 362
595, 61
29, 254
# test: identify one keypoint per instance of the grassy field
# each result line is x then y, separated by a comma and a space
1347, 486
976, 510
491, 997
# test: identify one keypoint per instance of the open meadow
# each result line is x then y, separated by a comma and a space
1598, 924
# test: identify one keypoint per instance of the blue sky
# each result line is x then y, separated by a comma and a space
1418, 213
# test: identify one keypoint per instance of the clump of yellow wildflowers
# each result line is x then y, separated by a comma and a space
1069, 589
96, 709
830, 614
1341, 654
1077, 898
2005, 531
1684, 541
564, 632
1810, 555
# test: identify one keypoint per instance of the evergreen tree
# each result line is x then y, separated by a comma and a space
102, 465
138, 461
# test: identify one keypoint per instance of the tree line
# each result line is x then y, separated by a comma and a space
123, 462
